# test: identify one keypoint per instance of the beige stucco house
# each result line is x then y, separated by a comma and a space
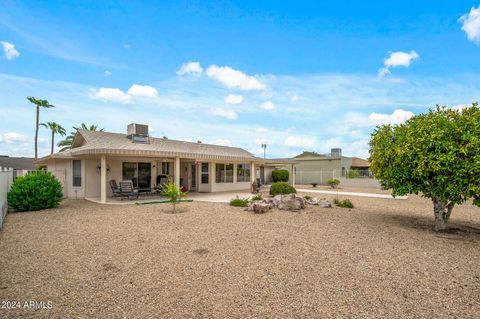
95, 158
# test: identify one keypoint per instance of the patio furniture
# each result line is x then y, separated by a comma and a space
114, 187
127, 190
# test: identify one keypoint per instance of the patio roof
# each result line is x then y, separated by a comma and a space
91, 143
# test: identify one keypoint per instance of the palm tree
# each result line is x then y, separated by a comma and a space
68, 141
38, 103
56, 129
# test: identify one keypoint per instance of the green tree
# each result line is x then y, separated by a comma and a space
68, 141
39, 104
56, 129
435, 154
172, 192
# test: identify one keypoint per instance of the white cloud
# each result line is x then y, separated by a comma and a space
13, 137
460, 107
232, 78
117, 95
229, 114
397, 117
221, 141
471, 24
396, 59
143, 91
107, 73
9, 50
233, 99
190, 68
267, 105
261, 130
111, 94
360, 120
300, 142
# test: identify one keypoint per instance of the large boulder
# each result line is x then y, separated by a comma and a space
289, 202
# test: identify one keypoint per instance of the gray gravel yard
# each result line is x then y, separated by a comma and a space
380, 259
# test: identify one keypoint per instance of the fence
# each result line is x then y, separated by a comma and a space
321, 177
6, 180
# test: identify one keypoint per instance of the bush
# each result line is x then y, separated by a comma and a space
172, 192
314, 184
281, 188
257, 197
239, 202
306, 197
35, 191
280, 175
333, 182
346, 203
353, 173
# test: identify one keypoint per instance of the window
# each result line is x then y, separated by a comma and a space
166, 168
77, 173
204, 173
243, 173
130, 172
224, 173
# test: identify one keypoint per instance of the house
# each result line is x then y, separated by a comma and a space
95, 158
313, 167
20, 165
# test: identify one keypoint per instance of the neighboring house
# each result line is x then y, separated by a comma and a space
20, 165
312, 167
95, 158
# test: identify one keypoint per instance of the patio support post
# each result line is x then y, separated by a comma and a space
293, 174
253, 173
103, 179
176, 174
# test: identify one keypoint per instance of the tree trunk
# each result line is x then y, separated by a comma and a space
442, 212
53, 141
36, 132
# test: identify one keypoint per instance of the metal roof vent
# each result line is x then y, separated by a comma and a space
336, 152
138, 133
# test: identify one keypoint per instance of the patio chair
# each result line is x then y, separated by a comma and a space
127, 190
114, 187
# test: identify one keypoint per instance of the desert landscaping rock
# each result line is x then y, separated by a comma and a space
260, 208
319, 202
215, 261
289, 202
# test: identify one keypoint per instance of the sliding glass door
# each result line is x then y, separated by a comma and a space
139, 173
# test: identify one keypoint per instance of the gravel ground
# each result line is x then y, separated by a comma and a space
380, 259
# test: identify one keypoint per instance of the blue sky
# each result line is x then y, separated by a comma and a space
303, 75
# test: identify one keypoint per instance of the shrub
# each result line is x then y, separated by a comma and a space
35, 191
280, 175
172, 192
346, 203
281, 188
353, 173
306, 197
257, 197
314, 184
333, 182
239, 202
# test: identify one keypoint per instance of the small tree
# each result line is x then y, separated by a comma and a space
435, 154
172, 192
333, 182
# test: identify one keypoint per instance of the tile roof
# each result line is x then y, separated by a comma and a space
17, 162
96, 143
